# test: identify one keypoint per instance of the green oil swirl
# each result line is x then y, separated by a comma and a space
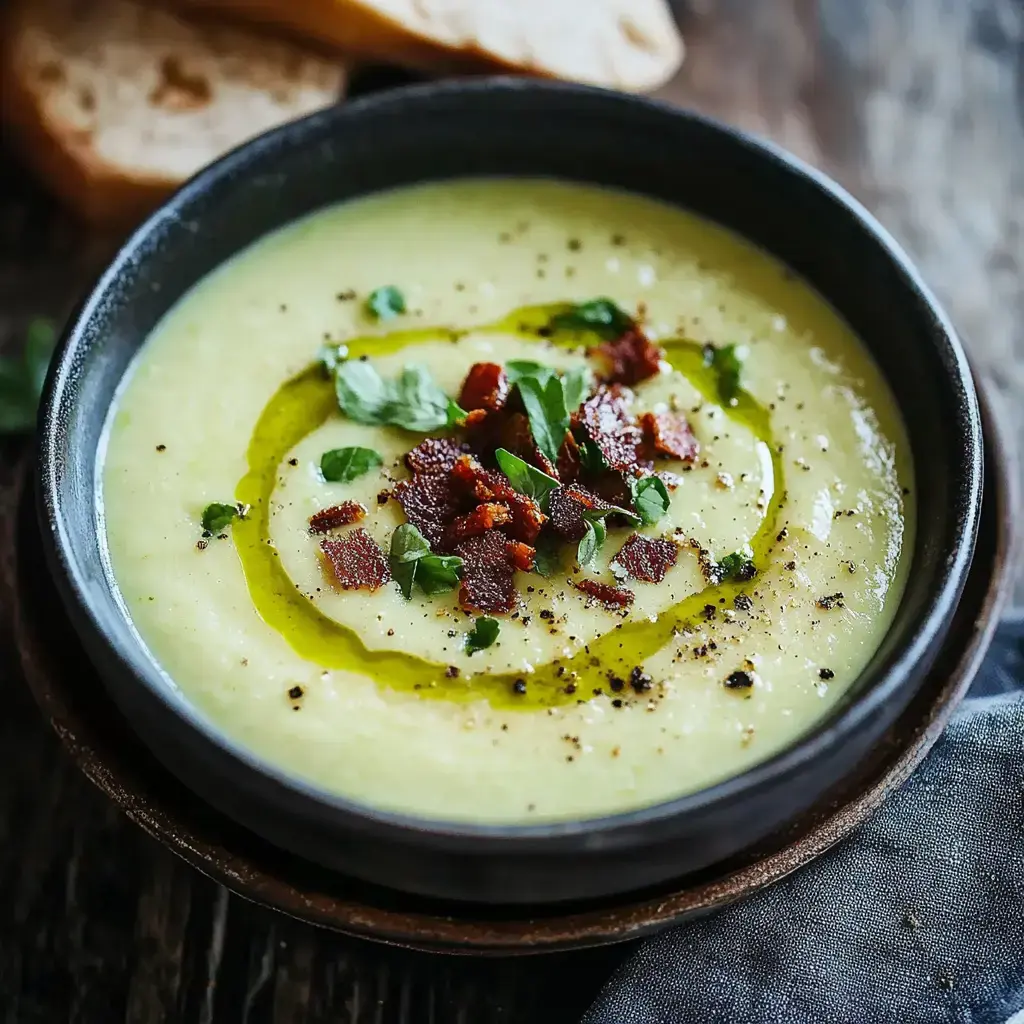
306, 401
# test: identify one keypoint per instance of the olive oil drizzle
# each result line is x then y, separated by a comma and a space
306, 401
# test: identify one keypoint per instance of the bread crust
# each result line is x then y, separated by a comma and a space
363, 29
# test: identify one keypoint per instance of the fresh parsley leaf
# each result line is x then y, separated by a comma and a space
362, 393
218, 516
523, 369
598, 316
727, 362
340, 465
40, 340
576, 386
411, 561
612, 510
549, 418
737, 567
548, 559
21, 379
650, 498
526, 479
549, 400
591, 458
437, 574
456, 414
483, 634
408, 546
416, 402
592, 541
385, 303
331, 356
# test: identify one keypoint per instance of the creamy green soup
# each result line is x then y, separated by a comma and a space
577, 708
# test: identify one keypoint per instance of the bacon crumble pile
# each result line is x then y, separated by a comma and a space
464, 507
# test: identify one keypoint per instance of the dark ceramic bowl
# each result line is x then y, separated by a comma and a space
516, 127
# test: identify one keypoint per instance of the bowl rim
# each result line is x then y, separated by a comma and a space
71, 577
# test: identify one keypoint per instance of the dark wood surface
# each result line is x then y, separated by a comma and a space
916, 106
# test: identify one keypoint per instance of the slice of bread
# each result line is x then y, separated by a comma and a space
632, 45
115, 103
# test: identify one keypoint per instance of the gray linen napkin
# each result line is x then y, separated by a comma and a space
917, 918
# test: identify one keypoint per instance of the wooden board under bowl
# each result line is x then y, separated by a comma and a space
75, 703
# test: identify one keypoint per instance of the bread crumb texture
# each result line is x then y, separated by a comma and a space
115, 103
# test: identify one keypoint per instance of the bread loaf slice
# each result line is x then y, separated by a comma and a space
632, 45
115, 103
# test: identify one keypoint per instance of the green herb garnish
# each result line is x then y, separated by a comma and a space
650, 498
456, 414
522, 369
548, 558
363, 395
576, 386
727, 362
482, 635
598, 316
413, 401
547, 412
526, 479
737, 567
416, 402
21, 379
412, 562
385, 303
437, 574
591, 457
408, 546
218, 516
593, 540
340, 465
330, 356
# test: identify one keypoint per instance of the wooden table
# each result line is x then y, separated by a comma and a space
916, 106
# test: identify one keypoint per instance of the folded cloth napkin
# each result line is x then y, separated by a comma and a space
917, 918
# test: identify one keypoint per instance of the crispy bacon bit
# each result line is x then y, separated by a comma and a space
631, 358
356, 560
488, 575
485, 486
483, 518
612, 487
485, 387
566, 506
611, 597
430, 503
569, 462
522, 555
605, 417
434, 456
337, 515
669, 433
647, 558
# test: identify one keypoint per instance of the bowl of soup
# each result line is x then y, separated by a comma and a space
510, 492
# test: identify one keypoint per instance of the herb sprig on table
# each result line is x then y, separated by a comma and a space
22, 377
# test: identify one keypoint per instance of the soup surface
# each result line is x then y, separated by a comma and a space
576, 672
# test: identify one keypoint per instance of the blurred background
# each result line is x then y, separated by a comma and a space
915, 106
